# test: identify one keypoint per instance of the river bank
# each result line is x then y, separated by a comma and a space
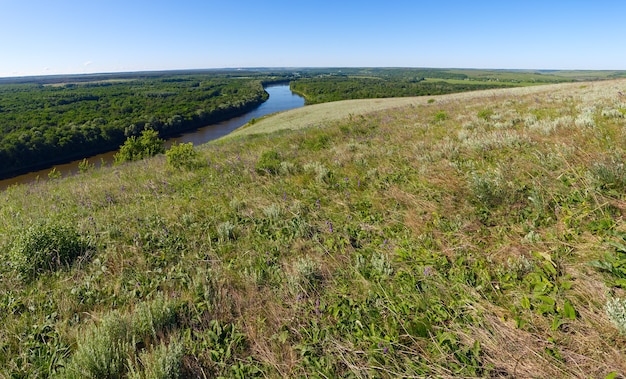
280, 99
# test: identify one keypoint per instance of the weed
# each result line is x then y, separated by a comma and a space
226, 231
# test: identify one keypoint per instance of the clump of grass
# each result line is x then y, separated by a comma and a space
610, 176
322, 174
269, 163
163, 362
490, 189
226, 230
441, 116
306, 277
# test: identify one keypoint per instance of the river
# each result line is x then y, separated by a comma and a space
281, 99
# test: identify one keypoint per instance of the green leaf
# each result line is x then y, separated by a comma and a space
550, 267
611, 375
618, 246
620, 283
557, 322
546, 299
569, 311
525, 302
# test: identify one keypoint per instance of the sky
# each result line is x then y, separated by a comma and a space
41, 37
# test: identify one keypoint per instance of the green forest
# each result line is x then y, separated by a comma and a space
319, 86
53, 119
322, 90
41, 124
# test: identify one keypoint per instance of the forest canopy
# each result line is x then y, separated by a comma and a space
42, 124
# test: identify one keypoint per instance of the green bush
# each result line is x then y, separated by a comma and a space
183, 156
46, 247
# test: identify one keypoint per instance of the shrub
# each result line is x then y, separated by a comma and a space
489, 189
183, 156
610, 176
226, 231
322, 174
85, 166
103, 350
46, 247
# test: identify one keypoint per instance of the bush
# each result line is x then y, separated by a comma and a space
46, 247
103, 350
183, 156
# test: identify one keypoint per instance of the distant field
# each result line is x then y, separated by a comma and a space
320, 114
104, 81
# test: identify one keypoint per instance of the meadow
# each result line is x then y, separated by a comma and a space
478, 234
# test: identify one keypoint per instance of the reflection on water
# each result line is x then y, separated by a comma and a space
281, 99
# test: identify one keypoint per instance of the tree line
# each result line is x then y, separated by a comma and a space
45, 124
333, 88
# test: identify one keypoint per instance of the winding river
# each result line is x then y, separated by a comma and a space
281, 99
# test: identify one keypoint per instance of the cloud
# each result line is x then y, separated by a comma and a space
88, 63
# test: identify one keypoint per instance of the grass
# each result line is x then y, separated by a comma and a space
373, 239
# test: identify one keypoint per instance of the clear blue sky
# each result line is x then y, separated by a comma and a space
85, 36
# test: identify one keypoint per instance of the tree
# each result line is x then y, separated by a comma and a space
136, 148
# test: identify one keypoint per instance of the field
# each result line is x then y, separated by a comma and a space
478, 234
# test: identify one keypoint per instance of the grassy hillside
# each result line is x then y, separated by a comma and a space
476, 235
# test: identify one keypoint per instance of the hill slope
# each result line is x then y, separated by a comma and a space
450, 239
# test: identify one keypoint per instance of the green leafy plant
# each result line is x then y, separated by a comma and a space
614, 262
